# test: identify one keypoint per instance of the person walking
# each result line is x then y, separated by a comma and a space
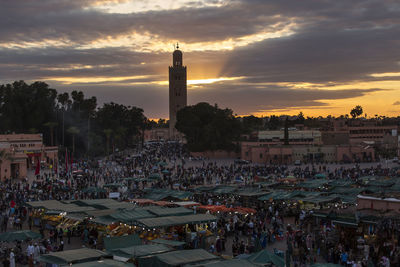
12, 258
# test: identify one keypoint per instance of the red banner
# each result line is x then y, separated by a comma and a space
37, 170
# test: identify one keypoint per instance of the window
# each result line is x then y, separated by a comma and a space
261, 155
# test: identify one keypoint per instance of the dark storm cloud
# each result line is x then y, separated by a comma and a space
319, 56
54, 62
270, 97
69, 22
337, 41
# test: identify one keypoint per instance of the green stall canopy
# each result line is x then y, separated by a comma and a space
67, 257
160, 211
176, 220
140, 251
265, 257
116, 242
177, 258
104, 263
171, 243
19, 236
229, 263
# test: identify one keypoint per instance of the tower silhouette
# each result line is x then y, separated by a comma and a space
177, 89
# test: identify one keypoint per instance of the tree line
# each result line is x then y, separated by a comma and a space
79, 124
69, 120
208, 127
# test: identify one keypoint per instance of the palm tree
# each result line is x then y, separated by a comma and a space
108, 133
65, 102
73, 131
51, 126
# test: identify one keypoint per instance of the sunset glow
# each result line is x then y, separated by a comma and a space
262, 57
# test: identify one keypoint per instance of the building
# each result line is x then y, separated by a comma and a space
177, 90
378, 203
295, 137
156, 134
306, 146
22, 152
288, 154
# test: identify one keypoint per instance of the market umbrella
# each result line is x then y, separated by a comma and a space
19, 236
320, 176
264, 257
165, 171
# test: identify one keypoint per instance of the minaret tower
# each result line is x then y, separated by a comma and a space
177, 90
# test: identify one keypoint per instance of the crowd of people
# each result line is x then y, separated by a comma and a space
244, 233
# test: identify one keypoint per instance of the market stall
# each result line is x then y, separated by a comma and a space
176, 258
73, 256
104, 263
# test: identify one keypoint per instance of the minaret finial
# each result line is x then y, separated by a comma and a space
177, 45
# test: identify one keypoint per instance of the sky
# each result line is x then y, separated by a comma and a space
260, 57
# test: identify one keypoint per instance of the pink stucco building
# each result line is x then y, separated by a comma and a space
375, 203
22, 152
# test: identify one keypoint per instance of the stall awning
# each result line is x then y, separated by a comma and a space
58, 205
326, 265
130, 216
104, 263
73, 256
171, 243
352, 224
76, 216
347, 190
265, 257
317, 183
140, 251
159, 194
177, 258
103, 220
176, 220
116, 242
160, 212
105, 203
321, 199
251, 193
320, 215
224, 189
227, 263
